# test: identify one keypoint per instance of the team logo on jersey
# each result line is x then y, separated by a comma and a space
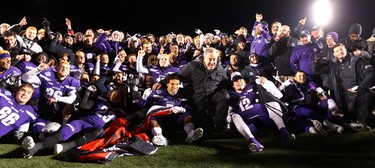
48, 73
7, 93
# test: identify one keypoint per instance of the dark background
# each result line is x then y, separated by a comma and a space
162, 17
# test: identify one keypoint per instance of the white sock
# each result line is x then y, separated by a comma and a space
332, 106
242, 127
156, 131
188, 127
275, 114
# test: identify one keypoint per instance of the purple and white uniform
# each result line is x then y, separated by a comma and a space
26, 66
249, 108
63, 91
99, 119
11, 72
76, 72
12, 115
159, 73
163, 98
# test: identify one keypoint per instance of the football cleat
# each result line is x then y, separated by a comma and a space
159, 140
288, 137
194, 135
29, 145
255, 146
319, 128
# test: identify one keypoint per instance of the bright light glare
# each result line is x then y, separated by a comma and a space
322, 12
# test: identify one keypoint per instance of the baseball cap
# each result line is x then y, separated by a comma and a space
235, 76
304, 33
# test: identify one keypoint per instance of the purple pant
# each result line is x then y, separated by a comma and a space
257, 117
75, 127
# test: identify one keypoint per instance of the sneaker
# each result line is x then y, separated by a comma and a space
319, 128
255, 146
29, 145
194, 135
333, 127
366, 128
354, 126
159, 140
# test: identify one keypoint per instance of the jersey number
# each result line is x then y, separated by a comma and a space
53, 93
7, 117
245, 104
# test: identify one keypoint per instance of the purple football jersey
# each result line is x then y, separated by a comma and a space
12, 115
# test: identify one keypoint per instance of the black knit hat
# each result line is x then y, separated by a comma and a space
355, 29
241, 39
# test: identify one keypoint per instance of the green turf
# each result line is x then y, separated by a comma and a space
345, 150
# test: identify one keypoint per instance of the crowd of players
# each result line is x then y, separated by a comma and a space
62, 90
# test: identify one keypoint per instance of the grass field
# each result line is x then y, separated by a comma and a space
340, 150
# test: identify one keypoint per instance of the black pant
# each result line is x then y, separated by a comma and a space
358, 105
219, 100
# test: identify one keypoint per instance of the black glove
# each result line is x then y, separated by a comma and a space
45, 22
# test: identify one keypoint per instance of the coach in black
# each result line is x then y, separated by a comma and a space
352, 77
207, 82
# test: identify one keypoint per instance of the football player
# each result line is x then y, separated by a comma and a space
248, 110
14, 111
57, 90
177, 102
91, 125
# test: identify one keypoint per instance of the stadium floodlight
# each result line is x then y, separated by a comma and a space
322, 12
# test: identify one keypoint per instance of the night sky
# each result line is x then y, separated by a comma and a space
162, 17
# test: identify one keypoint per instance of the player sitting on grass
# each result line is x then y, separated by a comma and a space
177, 102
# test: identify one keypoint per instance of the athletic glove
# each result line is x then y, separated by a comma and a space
177, 109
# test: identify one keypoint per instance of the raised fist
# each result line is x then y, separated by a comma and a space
198, 31
45, 22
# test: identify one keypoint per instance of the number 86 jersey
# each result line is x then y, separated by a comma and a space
12, 114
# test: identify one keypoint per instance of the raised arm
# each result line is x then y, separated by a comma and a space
139, 67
